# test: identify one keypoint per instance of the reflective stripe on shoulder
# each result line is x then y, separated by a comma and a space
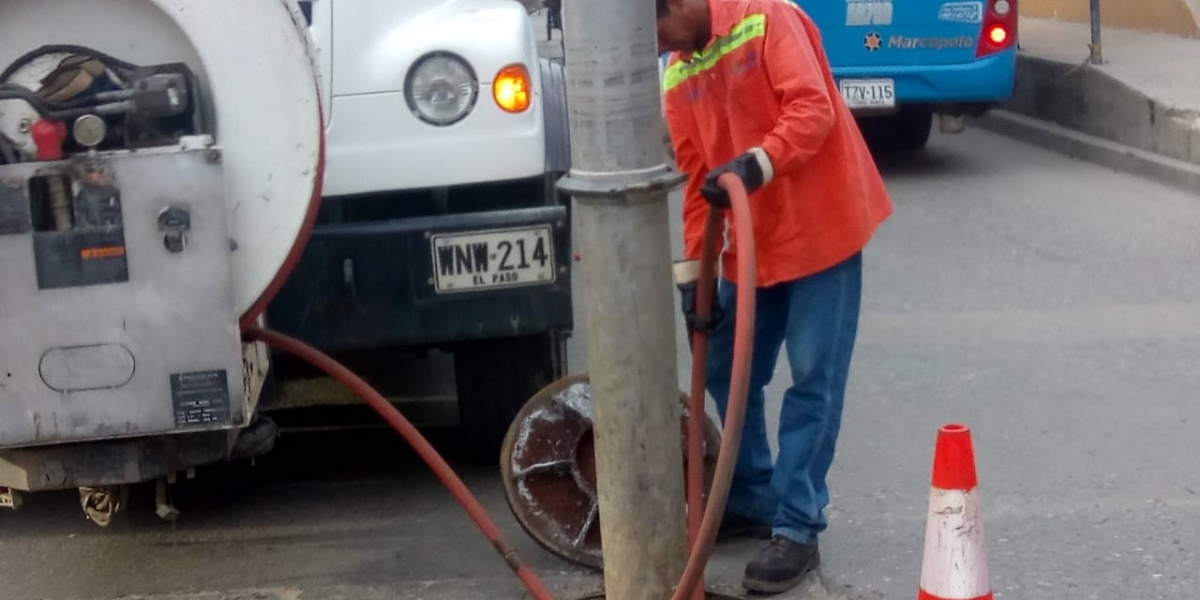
753, 26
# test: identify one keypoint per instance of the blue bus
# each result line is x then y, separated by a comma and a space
899, 62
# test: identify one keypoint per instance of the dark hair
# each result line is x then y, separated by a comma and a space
661, 7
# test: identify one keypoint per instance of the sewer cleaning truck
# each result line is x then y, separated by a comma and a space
174, 172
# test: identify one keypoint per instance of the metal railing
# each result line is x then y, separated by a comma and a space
1097, 57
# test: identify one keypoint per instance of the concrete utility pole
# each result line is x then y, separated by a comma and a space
619, 181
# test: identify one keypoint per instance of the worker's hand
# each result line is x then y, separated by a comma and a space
754, 169
687, 274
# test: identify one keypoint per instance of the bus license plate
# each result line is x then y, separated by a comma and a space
869, 93
465, 262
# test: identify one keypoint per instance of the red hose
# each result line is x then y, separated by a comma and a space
695, 424
431, 457
739, 384
703, 521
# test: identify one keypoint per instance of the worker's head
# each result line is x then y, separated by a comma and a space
683, 25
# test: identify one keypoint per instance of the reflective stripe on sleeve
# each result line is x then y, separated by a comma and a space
750, 28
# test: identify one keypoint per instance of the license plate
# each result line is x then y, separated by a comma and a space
869, 93
483, 260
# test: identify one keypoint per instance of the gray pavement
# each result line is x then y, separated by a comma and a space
551, 47
1047, 303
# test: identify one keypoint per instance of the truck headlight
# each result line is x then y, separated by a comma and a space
441, 88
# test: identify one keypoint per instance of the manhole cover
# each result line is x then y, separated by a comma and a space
549, 469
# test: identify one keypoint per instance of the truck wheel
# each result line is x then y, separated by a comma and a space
912, 129
906, 131
495, 378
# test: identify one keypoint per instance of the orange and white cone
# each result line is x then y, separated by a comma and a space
955, 566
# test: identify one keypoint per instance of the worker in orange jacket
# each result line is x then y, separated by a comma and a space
748, 90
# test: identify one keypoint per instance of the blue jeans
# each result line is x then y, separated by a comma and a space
817, 316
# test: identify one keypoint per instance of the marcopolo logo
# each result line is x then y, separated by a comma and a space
902, 42
873, 42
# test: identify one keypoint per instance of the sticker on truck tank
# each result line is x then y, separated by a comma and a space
200, 398
14, 210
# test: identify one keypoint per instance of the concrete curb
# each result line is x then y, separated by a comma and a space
1120, 157
1092, 101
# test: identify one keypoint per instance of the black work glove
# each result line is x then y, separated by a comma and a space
753, 167
686, 279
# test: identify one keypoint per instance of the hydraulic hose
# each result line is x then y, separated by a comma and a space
406, 429
703, 536
116, 64
695, 422
703, 520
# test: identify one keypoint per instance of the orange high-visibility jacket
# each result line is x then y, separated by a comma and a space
764, 81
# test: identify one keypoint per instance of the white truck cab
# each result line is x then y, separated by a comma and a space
440, 226
429, 93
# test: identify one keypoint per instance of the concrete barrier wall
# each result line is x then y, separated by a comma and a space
1179, 17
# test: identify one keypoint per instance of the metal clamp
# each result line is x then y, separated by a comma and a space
175, 222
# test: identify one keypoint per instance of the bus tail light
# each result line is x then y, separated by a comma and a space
998, 35
999, 31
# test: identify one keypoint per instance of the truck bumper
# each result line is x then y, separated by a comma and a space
110, 462
368, 285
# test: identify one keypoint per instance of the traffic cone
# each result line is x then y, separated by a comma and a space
955, 566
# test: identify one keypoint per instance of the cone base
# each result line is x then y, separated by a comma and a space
922, 595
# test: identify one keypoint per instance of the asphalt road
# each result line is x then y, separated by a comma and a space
1049, 304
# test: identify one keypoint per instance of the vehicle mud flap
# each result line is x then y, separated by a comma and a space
555, 116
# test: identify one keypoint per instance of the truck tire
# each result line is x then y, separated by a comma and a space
495, 378
906, 131
912, 129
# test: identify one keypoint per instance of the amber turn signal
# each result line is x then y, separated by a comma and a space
511, 88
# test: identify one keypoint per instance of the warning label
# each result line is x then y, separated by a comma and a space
200, 398
14, 210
